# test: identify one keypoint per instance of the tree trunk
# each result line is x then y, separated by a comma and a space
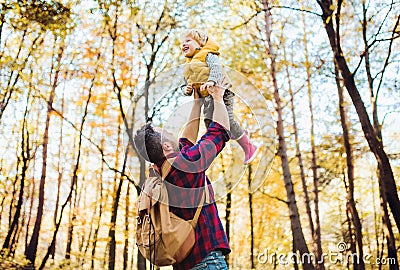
116, 198
32, 193
141, 261
60, 172
9, 242
13, 192
299, 239
99, 197
374, 143
228, 203
377, 228
388, 230
350, 174
251, 219
111, 235
126, 232
298, 152
72, 218
353, 247
317, 231
295, 263
117, 190
228, 209
2, 207
31, 250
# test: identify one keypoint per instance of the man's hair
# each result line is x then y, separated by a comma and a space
147, 143
198, 35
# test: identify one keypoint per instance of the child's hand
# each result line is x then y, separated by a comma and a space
207, 85
189, 90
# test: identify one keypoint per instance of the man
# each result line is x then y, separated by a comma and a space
188, 174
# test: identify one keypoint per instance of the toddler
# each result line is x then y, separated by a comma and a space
204, 70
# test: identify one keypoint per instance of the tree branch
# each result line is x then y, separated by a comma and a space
359, 64
246, 21
272, 7
388, 57
297, 9
276, 198
386, 114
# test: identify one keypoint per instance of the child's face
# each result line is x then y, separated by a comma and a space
189, 46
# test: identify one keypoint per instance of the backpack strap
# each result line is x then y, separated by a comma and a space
193, 222
165, 168
204, 198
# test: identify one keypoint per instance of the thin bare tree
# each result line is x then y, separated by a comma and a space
298, 151
299, 240
317, 224
355, 218
31, 249
25, 156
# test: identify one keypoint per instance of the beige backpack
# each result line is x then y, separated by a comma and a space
162, 237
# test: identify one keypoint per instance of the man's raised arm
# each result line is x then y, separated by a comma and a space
192, 127
202, 153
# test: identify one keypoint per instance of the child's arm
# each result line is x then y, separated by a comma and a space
215, 66
186, 88
215, 77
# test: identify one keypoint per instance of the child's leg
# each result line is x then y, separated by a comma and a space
208, 110
236, 130
238, 134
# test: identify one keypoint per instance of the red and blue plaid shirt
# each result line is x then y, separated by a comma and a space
188, 172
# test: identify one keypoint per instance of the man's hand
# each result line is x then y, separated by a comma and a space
217, 92
207, 85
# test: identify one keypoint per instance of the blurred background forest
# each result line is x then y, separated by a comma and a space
75, 76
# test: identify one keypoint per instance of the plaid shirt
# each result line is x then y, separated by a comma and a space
188, 171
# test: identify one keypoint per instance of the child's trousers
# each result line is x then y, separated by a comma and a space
236, 130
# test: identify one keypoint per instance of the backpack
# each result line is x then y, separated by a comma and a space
162, 237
